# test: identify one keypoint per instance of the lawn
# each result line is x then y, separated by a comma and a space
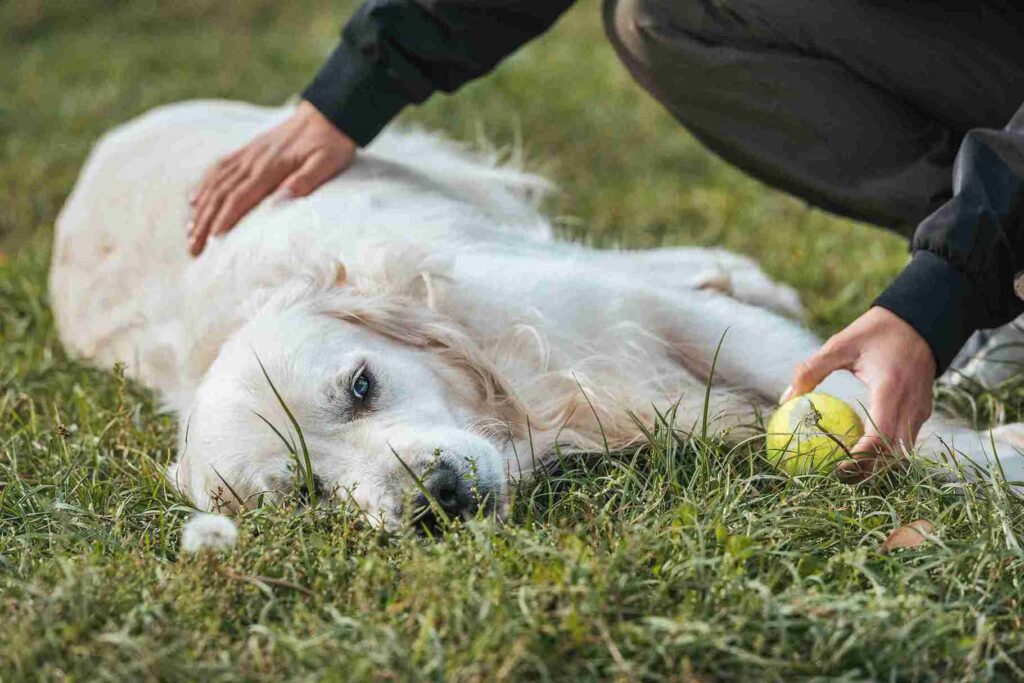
681, 561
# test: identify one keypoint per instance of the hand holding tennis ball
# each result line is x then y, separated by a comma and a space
811, 433
896, 366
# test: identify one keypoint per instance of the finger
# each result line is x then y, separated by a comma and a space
206, 180
809, 374
882, 432
920, 410
314, 172
862, 467
214, 174
241, 200
209, 201
207, 212
200, 229
229, 178
210, 209
910, 411
856, 469
885, 414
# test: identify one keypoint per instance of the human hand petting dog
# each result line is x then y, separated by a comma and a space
292, 159
898, 367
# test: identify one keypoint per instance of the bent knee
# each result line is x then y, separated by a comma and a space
650, 34
624, 23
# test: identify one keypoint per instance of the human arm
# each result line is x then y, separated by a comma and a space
399, 52
392, 53
967, 256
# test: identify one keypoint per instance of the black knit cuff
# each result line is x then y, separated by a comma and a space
938, 301
357, 94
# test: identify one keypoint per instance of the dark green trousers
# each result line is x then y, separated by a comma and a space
858, 107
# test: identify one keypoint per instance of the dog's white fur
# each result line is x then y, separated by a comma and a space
488, 341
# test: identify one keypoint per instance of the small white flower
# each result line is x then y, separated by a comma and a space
208, 532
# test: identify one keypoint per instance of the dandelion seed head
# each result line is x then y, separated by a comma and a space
208, 532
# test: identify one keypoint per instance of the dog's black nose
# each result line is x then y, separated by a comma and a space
449, 491
444, 486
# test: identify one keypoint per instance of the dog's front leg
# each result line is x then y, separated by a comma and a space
759, 349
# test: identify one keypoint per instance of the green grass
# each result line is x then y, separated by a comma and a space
682, 561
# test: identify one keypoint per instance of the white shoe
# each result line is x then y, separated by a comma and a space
989, 358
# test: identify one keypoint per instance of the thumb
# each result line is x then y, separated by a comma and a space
810, 373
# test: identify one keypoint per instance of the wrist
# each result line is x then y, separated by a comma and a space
305, 111
356, 93
937, 301
311, 118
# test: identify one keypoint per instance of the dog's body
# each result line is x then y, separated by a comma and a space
432, 274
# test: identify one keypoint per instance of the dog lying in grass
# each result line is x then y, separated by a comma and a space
411, 334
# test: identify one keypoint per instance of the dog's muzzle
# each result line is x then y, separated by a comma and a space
449, 494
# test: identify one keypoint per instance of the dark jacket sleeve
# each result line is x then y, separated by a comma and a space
968, 253
397, 52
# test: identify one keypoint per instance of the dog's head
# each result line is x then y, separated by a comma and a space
390, 397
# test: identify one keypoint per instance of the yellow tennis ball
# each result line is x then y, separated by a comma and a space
805, 432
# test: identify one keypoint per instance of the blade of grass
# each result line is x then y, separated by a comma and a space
305, 464
431, 501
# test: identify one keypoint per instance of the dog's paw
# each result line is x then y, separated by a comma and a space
787, 302
751, 287
716, 281
755, 288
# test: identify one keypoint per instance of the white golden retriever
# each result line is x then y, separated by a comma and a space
416, 316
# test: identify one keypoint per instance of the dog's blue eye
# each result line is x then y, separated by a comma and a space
360, 387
